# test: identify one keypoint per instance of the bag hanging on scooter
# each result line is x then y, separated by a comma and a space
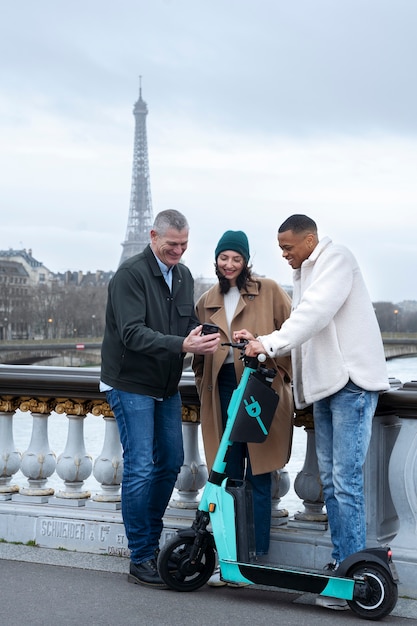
255, 412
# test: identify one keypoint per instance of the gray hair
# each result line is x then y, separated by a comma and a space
169, 219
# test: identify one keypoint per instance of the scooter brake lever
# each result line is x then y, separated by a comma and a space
240, 345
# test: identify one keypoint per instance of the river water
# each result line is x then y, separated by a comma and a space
404, 369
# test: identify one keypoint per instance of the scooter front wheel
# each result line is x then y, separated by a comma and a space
176, 569
380, 594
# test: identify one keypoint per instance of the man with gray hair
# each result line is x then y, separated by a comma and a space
150, 326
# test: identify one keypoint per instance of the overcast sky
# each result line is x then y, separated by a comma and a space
257, 109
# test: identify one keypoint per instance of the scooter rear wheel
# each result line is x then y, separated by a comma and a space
381, 593
176, 569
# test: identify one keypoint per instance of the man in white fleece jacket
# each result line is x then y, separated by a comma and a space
339, 367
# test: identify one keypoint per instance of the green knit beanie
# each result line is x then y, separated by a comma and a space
235, 240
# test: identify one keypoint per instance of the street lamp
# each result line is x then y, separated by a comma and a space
50, 320
93, 325
396, 311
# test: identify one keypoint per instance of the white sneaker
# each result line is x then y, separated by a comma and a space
215, 580
237, 584
336, 604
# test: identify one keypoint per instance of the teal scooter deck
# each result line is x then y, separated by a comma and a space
287, 578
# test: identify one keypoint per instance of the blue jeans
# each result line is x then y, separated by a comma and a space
343, 426
151, 436
238, 466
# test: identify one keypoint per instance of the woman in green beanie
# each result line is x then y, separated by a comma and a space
241, 300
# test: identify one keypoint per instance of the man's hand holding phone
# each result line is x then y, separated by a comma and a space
202, 340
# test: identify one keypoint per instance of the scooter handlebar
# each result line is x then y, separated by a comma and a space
241, 346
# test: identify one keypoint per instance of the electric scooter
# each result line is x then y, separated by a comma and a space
367, 580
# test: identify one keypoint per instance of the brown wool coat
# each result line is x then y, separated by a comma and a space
261, 311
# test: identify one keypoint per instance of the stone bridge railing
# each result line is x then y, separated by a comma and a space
397, 345
44, 498
71, 353
87, 352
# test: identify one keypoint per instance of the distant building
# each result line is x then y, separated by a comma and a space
14, 285
79, 279
23, 279
38, 274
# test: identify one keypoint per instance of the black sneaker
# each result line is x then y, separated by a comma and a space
145, 573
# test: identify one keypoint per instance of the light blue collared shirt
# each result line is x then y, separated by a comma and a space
166, 271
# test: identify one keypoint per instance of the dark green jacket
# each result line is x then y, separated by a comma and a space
145, 327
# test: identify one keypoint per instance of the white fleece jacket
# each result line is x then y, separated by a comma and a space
332, 332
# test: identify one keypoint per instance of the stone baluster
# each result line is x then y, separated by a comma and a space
307, 484
108, 466
403, 487
382, 521
193, 474
280, 486
10, 458
74, 465
39, 461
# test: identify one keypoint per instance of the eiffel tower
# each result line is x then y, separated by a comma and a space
140, 218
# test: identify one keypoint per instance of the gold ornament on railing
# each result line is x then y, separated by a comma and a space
43, 406
100, 407
72, 407
304, 417
9, 404
190, 414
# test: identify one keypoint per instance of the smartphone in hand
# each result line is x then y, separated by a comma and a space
209, 329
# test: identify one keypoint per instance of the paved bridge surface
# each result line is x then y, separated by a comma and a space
100, 594
88, 353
